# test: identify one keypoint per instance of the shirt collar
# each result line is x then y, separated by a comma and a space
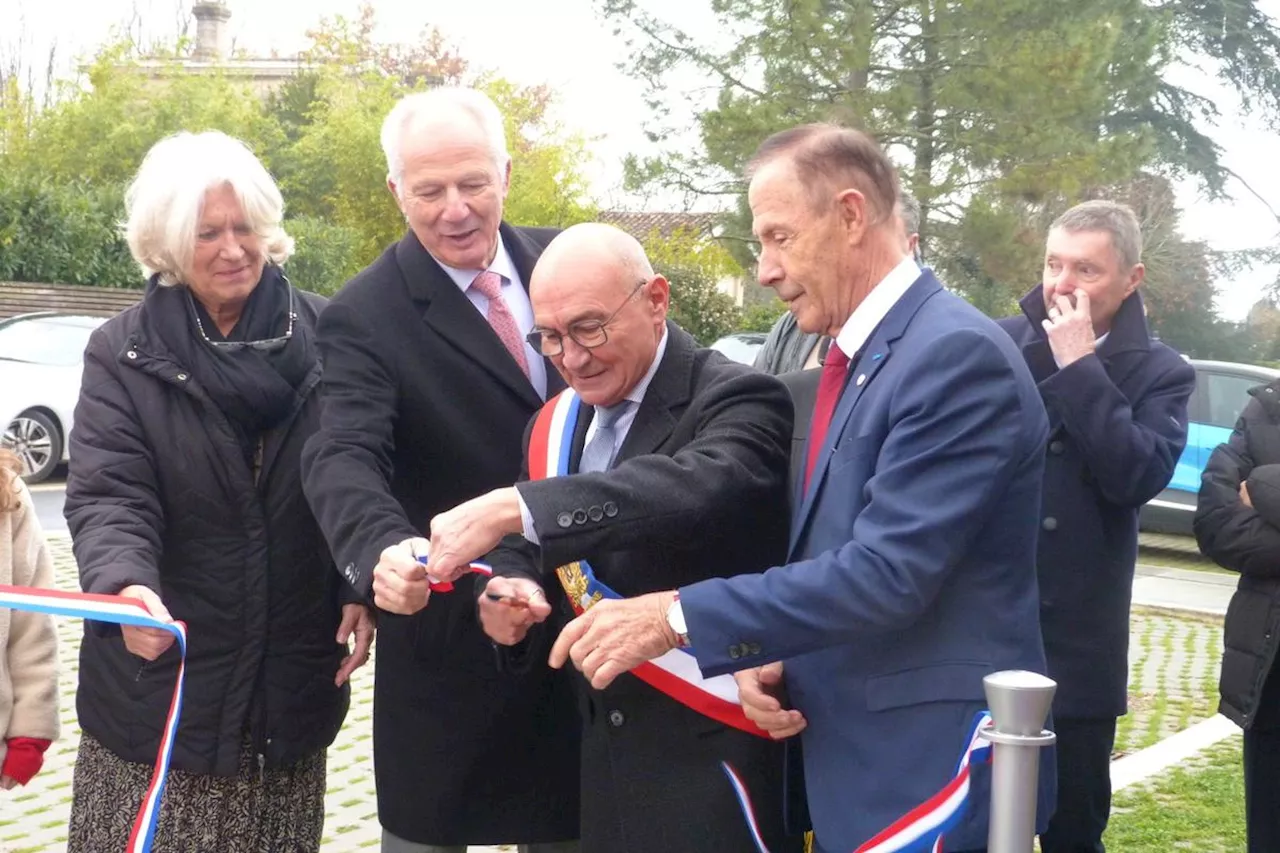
636, 395
502, 265
879, 302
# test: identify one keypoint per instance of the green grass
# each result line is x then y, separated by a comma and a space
1197, 807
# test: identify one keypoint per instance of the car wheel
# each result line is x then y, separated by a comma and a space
35, 438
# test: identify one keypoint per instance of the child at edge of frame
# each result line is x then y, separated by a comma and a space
28, 644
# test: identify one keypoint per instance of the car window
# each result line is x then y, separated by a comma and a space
44, 341
1225, 396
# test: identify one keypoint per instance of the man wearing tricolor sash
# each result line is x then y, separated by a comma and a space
911, 571
662, 464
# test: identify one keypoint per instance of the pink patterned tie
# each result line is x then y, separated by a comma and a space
499, 316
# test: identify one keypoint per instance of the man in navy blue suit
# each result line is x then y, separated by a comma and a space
913, 548
911, 572
1117, 404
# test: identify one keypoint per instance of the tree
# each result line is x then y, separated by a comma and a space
695, 266
318, 135
325, 256
62, 233
1001, 112
330, 159
100, 134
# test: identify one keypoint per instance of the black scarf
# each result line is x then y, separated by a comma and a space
254, 389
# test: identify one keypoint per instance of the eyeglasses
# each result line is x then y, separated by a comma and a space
264, 345
587, 334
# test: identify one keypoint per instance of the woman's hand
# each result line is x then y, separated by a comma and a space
147, 643
357, 620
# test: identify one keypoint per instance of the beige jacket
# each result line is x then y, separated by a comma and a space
29, 665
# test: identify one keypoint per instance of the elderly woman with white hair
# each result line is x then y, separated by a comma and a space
184, 492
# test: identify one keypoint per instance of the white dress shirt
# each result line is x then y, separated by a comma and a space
517, 299
622, 427
879, 302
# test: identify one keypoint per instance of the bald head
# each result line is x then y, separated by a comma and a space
606, 253
601, 309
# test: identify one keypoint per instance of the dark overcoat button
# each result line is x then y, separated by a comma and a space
595, 513
564, 519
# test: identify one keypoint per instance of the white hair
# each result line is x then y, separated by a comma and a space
164, 203
411, 108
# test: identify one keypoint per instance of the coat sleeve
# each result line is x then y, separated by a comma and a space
113, 507
516, 557
1264, 492
1228, 532
1130, 447
346, 464
32, 644
738, 456
951, 450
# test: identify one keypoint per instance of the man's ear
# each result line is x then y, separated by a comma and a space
1136, 276
851, 205
660, 294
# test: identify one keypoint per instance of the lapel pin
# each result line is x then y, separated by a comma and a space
877, 356
862, 377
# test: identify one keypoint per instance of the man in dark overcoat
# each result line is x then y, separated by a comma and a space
1117, 405
428, 385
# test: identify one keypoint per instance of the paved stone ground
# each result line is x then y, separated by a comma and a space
1174, 662
1173, 676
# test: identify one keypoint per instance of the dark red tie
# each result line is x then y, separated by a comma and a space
834, 372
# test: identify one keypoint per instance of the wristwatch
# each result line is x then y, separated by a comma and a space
675, 619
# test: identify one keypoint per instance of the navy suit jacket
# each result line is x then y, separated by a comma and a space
911, 573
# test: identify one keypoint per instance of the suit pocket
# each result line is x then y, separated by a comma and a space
851, 449
959, 681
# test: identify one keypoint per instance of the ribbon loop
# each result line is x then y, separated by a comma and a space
120, 611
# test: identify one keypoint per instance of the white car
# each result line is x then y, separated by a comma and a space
41, 358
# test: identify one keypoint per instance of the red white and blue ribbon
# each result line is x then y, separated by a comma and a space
447, 586
920, 829
676, 673
121, 611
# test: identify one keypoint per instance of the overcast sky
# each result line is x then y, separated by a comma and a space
564, 44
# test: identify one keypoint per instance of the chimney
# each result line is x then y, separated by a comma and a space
212, 36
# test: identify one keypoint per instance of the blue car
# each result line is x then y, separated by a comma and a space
1222, 390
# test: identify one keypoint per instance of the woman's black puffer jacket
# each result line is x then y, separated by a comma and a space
1247, 540
160, 493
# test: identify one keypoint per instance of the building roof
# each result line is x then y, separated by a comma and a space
640, 224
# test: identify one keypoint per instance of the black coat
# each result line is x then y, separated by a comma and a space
159, 493
1247, 541
1117, 425
424, 409
698, 490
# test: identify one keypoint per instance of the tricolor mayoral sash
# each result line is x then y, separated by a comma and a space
676, 673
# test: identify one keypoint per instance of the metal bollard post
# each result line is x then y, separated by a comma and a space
1019, 703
